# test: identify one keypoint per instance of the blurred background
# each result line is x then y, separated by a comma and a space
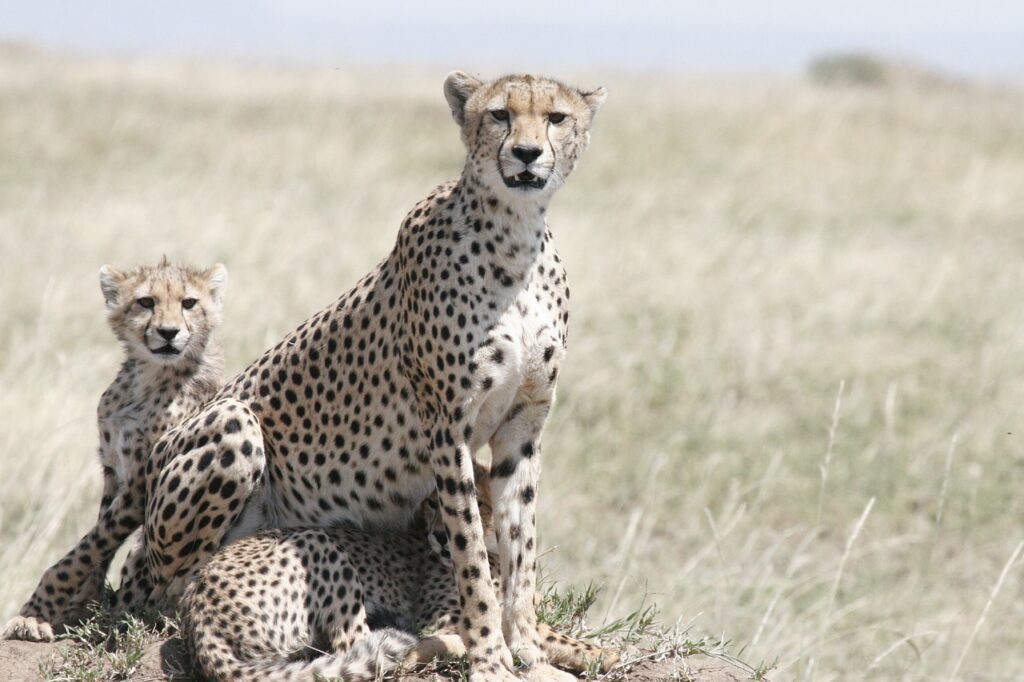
980, 38
791, 413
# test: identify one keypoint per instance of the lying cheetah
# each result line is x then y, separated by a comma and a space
452, 342
164, 317
264, 601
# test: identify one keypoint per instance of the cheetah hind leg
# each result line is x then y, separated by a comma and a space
563, 651
214, 463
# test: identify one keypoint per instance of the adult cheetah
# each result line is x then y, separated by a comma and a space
452, 342
164, 317
264, 603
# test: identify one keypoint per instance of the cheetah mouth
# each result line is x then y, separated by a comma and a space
165, 350
525, 179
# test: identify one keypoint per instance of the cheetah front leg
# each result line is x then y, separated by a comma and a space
93, 585
480, 624
515, 474
68, 585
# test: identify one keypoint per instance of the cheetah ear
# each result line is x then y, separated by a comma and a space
217, 279
459, 86
110, 284
594, 99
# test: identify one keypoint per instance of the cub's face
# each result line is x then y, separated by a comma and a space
523, 133
164, 313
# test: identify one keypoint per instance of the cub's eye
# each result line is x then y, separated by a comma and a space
146, 302
556, 117
189, 303
499, 114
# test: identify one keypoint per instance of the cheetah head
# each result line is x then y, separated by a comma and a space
164, 313
523, 133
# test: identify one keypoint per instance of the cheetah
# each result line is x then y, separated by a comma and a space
165, 317
263, 602
454, 341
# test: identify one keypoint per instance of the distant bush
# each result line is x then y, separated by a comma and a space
862, 69
854, 68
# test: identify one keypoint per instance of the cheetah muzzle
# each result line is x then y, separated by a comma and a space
525, 179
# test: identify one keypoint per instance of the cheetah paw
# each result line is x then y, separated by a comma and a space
543, 672
491, 673
28, 628
442, 647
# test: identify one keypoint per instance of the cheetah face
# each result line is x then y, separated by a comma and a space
163, 314
523, 133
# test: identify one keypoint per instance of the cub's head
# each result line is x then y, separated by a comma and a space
164, 313
523, 133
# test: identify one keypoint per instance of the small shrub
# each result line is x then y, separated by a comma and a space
105, 648
853, 68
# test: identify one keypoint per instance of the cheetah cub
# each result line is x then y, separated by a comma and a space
165, 317
263, 604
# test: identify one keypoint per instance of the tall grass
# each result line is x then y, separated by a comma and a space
736, 247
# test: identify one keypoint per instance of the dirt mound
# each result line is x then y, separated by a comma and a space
166, 662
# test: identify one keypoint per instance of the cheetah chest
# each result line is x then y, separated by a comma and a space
515, 366
120, 444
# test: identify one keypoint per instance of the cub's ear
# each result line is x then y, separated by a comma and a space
110, 284
458, 88
594, 99
217, 279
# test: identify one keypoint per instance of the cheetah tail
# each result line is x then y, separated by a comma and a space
379, 652
569, 653
376, 654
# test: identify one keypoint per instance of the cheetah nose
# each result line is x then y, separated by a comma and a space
167, 332
525, 153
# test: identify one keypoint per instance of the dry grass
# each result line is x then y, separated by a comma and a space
737, 250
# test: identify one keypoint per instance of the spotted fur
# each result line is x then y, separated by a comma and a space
165, 317
454, 341
264, 604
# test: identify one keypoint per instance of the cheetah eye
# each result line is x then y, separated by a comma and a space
146, 302
500, 114
189, 303
556, 117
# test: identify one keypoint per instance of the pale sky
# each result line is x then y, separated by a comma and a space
984, 37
